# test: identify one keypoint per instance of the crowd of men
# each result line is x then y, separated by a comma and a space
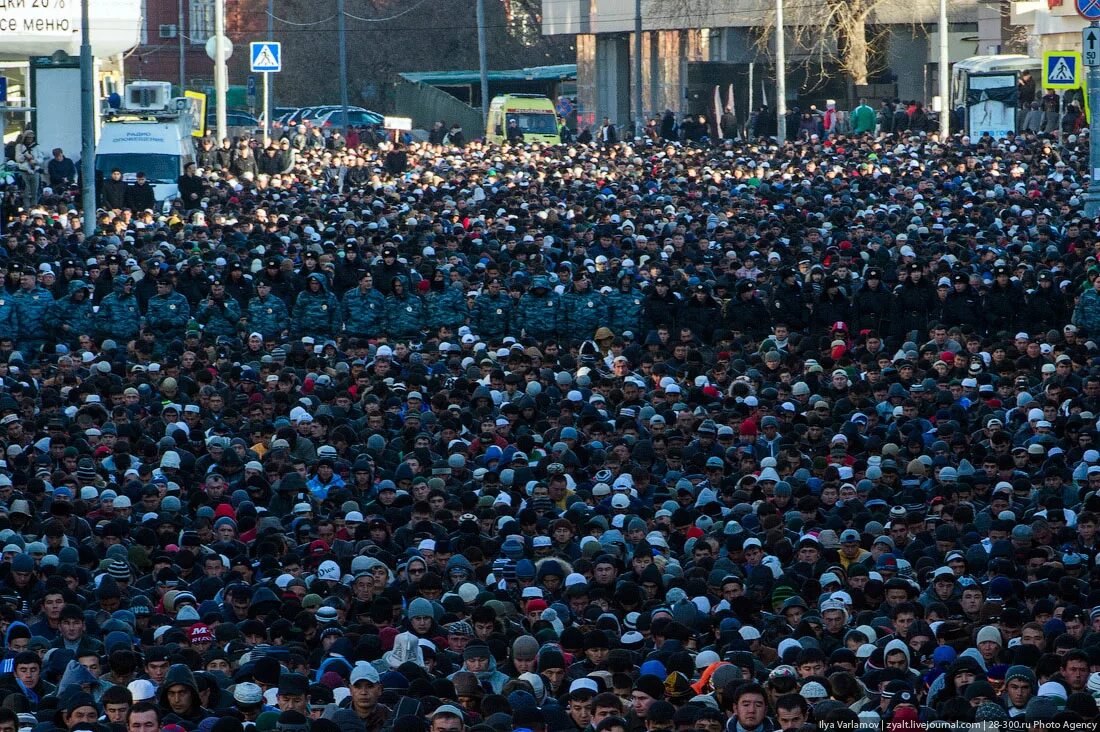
633, 437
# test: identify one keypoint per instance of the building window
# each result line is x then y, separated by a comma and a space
202, 20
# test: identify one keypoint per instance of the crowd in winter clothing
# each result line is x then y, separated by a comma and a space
635, 436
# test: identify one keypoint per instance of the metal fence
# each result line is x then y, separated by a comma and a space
426, 105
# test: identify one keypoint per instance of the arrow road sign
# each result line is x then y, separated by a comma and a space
1090, 42
268, 56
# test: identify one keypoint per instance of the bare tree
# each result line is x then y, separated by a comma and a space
835, 34
437, 35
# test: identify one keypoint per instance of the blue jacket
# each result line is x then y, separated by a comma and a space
538, 313
1087, 313
493, 315
32, 306
268, 316
220, 318
168, 314
316, 313
404, 315
447, 308
68, 319
9, 318
364, 312
119, 315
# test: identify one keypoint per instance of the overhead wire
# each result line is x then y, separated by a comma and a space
291, 22
406, 11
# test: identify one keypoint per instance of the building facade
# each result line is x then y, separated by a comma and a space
682, 37
169, 27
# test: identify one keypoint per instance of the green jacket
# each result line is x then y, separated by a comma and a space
863, 119
68, 319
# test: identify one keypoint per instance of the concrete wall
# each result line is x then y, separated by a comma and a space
733, 45
991, 25
613, 78
605, 68
586, 81
907, 54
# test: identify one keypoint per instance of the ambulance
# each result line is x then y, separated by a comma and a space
534, 114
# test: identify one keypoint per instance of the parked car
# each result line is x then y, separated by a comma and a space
356, 117
295, 118
237, 123
278, 114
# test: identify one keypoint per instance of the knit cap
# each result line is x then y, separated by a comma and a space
990, 712
525, 648
989, 633
1021, 673
420, 608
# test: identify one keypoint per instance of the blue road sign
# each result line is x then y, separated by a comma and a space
1088, 9
1061, 70
267, 56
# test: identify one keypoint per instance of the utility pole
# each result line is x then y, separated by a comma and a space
182, 49
483, 62
341, 26
1092, 197
780, 74
221, 74
639, 114
87, 122
269, 84
945, 107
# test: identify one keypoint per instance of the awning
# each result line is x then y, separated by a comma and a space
458, 78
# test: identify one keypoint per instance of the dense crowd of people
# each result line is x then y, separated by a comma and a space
632, 437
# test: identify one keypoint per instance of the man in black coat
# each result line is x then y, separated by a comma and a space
964, 304
1003, 303
113, 192
700, 312
661, 306
912, 302
871, 305
747, 313
140, 195
788, 305
1047, 304
190, 187
206, 157
831, 307
397, 160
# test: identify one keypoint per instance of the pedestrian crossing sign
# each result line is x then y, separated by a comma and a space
265, 56
1061, 70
